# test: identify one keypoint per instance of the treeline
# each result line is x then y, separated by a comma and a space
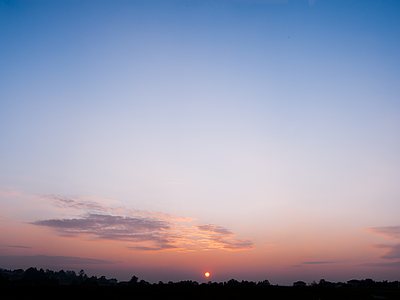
33, 276
364, 283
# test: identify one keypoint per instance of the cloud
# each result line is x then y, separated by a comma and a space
311, 263
9, 193
395, 264
317, 262
292, 266
141, 230
393, 253
105, 225
218, 237
114, 228
234, 244
45, 260
392, 232
214, 229
154, 248
75, 202
23, 247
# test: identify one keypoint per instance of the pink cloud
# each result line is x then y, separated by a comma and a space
393, 253
9, 192
214, 229
141, 230
154, 233
46, 260
392, 232
234, 244
218, 237
75, 202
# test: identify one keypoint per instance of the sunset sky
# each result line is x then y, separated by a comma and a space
254, 139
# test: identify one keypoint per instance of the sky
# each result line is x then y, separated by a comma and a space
253, 139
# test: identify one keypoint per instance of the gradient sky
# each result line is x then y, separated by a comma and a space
253, 139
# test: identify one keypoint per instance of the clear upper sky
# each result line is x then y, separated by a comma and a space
252, 139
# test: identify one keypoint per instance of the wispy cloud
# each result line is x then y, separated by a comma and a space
393, 252
317, 262
392, 232
143, 231
138, 230
41, 260
76, 204
233, 244
311, 263
218, 237
9, 192
158, 247
395, 264
214, 229
22, 247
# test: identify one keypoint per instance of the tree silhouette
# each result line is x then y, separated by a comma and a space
133, 280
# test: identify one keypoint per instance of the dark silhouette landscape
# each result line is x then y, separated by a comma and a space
68, 284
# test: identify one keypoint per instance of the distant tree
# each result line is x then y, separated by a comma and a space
232, 282
37, 277
143, 282
102, 280
34, 274
82, 274
263, 283
324, 283
71, 274
247, 283
354, 283
92, 281
61, 274
299, 283
188, 282
369, 282
134, 280
313, 283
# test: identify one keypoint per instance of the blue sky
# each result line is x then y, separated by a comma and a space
268, 118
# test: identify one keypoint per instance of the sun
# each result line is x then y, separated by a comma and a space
207, 274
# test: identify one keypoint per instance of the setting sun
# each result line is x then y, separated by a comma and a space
207, 274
